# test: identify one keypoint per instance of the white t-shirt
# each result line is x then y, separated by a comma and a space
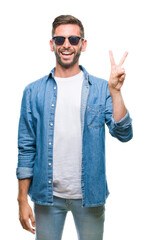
67, 150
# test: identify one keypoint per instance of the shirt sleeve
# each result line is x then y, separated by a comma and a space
122, 130
26, 139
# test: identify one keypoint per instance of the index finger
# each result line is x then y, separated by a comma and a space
26, 225
29, 228
123, 58
111, 58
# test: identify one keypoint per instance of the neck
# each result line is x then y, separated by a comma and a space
66, 72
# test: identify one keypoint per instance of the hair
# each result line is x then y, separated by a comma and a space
67, 19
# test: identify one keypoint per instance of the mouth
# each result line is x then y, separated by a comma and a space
66, 54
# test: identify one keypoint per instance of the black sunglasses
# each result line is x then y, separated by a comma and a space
74, 40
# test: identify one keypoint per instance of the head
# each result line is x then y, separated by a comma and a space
67, 50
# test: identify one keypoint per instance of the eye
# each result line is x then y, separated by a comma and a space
74, 40
59, 40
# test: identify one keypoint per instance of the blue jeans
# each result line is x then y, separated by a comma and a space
50, 220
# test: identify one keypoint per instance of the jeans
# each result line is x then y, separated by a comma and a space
50, 220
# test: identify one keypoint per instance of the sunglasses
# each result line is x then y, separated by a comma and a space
74, 40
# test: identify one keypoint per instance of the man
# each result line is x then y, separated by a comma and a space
61, 141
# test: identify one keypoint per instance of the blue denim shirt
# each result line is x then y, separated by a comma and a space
36, 133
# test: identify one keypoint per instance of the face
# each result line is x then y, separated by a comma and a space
66, 54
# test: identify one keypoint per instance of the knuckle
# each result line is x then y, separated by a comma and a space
24, 219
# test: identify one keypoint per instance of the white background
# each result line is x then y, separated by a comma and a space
25, 56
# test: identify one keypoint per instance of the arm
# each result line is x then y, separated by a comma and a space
26, 156
26, 139
119, 109
117, 116
25, 211
116, 81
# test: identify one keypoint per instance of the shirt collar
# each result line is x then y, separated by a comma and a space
87, 77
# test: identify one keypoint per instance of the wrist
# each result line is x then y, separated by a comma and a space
114, 92
22, 200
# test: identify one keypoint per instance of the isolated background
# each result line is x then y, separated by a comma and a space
25, 57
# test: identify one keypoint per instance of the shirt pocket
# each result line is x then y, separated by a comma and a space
95, 115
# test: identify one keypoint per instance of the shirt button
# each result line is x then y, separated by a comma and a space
49, 182
52, 105
54, 88
51, 124
50, 143
49, 164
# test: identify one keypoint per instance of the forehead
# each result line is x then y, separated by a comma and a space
67, 30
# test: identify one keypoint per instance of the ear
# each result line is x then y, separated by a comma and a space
84, 45
51, 45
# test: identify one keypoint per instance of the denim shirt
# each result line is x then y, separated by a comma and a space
36, 133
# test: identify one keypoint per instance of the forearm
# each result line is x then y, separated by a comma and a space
23, 185
119, 109
25, 211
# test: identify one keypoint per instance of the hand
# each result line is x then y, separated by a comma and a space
25, 213
117, 75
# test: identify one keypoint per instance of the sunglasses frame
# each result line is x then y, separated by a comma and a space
69, 38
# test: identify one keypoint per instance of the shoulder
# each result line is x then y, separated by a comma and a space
93, 79
36, 84
99, 83
97, 80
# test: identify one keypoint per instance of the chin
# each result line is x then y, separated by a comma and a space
66, 64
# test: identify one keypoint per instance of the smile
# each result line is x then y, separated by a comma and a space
67, 53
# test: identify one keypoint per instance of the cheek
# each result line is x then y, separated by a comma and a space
55, 49
76, 50
79, 49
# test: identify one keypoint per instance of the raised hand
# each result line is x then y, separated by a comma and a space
117, 75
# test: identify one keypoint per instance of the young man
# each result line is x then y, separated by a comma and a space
61, 141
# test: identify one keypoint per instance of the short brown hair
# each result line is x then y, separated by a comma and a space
67, 19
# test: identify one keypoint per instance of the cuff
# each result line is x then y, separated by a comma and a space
124, 122
24, 172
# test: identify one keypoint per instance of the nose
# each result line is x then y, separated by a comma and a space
66, 43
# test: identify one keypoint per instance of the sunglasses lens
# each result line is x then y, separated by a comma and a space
74, 40
59, 40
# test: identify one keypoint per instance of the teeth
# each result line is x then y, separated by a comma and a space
67, 53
